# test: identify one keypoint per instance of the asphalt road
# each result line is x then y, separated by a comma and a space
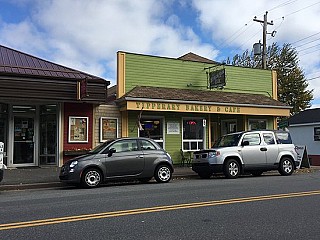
266, 207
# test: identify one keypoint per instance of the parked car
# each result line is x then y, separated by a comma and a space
123, 158
247, 152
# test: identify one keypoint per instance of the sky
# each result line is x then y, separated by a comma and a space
86, 34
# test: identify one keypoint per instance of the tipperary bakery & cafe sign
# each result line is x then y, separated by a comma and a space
199, 108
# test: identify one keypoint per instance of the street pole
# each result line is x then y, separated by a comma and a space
264, 38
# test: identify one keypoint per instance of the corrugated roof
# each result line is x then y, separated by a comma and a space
305, 117
13, 62
202, 96
196, 58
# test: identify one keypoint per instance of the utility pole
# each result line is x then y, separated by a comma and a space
264, 38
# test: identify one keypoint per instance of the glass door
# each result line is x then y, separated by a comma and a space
24, 147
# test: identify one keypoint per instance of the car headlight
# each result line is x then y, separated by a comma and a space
214, 153
73, 164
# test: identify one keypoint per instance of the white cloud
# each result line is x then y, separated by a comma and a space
86, 35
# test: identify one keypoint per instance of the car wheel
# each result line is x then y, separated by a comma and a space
231, 168
286, 167
91, 178
257, 173
204, 175
163, 174
144, 180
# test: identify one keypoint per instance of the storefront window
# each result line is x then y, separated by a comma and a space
257, 124
4, 127
192, 134
152, 128
48, 134
228, 126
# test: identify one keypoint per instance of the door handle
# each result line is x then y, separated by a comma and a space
263, 149
140, 156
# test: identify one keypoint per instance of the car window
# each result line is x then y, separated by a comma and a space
146, 145
252, 138
125, 145
268, 138
228, 140
283, 138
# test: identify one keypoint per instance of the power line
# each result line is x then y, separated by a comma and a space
305, 38
307, 43
308, 48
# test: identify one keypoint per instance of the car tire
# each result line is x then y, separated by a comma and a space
231, 168
91, 178
163, 174
204, 175
286, 166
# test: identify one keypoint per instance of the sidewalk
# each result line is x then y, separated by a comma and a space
46, 177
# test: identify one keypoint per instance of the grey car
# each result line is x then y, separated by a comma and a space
248, 152
123, 158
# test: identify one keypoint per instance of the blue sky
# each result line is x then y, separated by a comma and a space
86, 34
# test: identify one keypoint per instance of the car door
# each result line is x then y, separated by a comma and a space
151, 153
272, 148
126, 160
252, 151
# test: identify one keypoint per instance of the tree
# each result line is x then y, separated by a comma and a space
292, 84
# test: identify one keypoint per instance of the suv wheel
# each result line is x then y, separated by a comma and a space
286, 167
231, 168
91, 178
163, 174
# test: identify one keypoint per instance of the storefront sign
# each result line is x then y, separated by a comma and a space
186, 107
173, 128
78, 129
108, 128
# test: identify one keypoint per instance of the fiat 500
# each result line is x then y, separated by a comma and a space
123, 158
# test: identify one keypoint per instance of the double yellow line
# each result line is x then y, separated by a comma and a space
85, 217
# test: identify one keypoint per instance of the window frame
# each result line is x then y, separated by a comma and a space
190, 142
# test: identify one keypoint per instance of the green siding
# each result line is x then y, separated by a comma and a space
173, 142
144, 70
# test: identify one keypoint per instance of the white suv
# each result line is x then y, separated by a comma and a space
247, 152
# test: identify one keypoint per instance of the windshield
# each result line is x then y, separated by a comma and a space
228, 141
98, 148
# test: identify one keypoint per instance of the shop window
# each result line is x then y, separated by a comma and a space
257, 124
228, 126
4, 127
316, 136
152, 128
192, 134
48, 134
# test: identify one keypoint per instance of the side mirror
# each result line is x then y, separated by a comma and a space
245, 143
111, 151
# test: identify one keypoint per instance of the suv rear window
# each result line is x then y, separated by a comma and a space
283, 138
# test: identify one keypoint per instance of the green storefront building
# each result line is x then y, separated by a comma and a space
187, 103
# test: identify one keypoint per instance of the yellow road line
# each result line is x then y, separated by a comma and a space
84, 217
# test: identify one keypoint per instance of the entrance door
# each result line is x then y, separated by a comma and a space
24, 147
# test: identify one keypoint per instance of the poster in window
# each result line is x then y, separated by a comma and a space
173, 128
108, 128
78, 129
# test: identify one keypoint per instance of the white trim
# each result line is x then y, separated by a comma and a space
304, 124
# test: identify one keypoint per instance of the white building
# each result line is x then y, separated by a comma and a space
304, 128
